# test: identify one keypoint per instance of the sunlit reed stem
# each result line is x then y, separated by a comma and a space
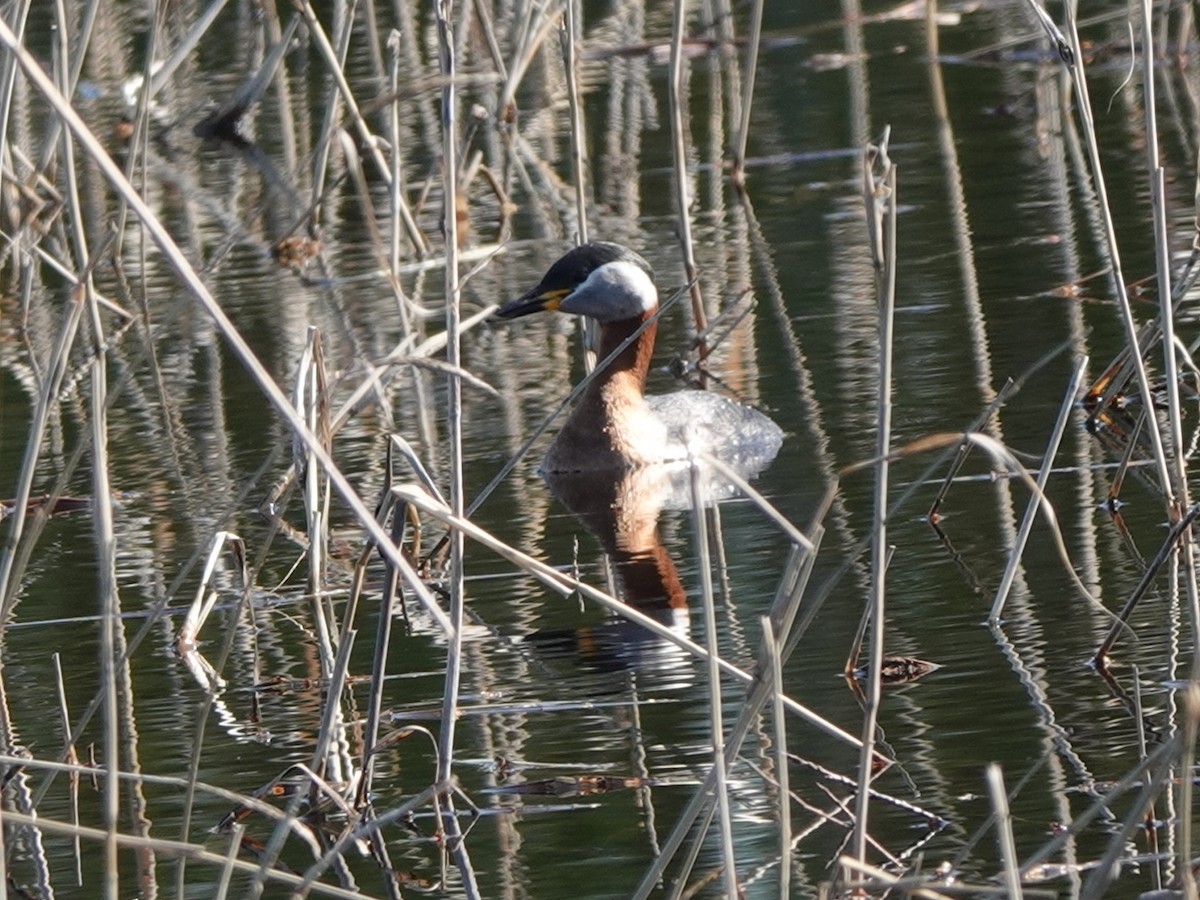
102, 514
773, 645
287, 118
383, 639
683, 182
174, 850
565, 585
1139, 720
964, 449
569, 35
365, 829
371, 21
309, 401
716, 719
525, 38
400, 212
1166, 313
69, 755
47, 400
1191, 726
1060, 427
453, 298
325, 759
106, 546
453, 387
754, 35
235, 846
73, 57
8, 80
1008, 848
579, 163
880, 198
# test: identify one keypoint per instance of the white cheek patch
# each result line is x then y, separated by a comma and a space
637, 283
616, 290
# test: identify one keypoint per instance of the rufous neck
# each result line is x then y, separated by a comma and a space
634, 360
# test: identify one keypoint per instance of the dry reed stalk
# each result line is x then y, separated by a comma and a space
383, 633
762, 504
206, 594
879, 195
5, 878
102, 514
570, 39
362, 831
379, 375
738, 173
327, 760
67, 79
400, 213
8, 80
964, 449
290, 821
884, 881
1152, 569
71, 756
1191, 727
773, 650
683, 181
712, 645
178, 850
1162, 257
526, 38
235, 846
1003, 819
311, 398
1107, 868
174, 783
1018, 548
1140, 721
455, 583
1159, 761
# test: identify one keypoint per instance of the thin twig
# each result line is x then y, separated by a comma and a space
1060, 427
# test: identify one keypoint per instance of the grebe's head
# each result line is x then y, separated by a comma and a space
605, 281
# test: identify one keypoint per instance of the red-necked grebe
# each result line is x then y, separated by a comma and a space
614, 425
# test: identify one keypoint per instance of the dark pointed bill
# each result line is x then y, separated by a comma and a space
532, 303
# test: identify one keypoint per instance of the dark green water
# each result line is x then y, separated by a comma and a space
194, 448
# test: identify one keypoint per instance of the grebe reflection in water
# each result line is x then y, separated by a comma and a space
614, 425
620, 508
